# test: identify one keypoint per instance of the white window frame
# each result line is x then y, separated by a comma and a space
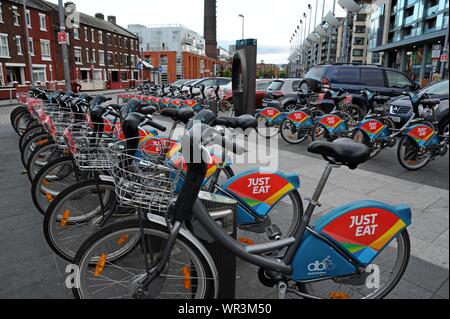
40, 70
31, 46
101, 57
76, 35
1, 16
16, 16
100, 37
86, 38
47, 57
88, 58
2, 79
75, 50
93, 35
94, 58
42, 18
8, 53
107, 57
28, 19
19, 45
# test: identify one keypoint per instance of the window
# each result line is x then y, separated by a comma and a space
262, 86
78, 59
93, 56
101, 57
45, 50
42, 22
2, 80
87, 56
39, 75
92, 36
19, 45
31, 46
409, 12
28, 18
360, 29
86, 35
343, 75
361, 17
76, 33
126, 43
1, 21
110, 58
132, 45
440, 88
16, 16
372, 77
296, 85
120, 42
397, 80
100, 37
358, 52
359, 41
4, 46
108, 39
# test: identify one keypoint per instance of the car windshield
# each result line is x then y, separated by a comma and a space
275, 86
316, 73
262, 86
440, 88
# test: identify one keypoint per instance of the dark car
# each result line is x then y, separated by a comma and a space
401, 109
261, 88
280, 89
354, 78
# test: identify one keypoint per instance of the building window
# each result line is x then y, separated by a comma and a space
86, 35
100, 37
45, 50
409, 12
360, 29
92, 36
361, 17
359, 41
358, 52
87, 56
76, 33
126, 43
101, 57
78, 59
430, 24
19, 45
31, 46
16, 16
42, 22
132, 45
4, 46
108, 39
39, 75
110, 59
93, 56
1, 21
2, 80
28, 18
120, 42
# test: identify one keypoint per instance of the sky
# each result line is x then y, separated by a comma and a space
271, 22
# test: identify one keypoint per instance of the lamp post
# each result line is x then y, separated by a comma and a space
27, 35
65, 49
243, 24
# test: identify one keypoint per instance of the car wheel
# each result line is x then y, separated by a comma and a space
290, 107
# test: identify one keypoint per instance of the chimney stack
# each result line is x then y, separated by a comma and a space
112, 19
100, 16
210, 28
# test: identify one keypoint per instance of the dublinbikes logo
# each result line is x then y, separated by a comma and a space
206, 144
321, 267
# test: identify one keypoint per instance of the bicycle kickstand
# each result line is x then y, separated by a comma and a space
282, 289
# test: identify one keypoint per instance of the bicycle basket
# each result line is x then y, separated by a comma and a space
22, 98
141, 181
57, 121
88, 145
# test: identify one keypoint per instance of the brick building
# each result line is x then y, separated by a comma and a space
101, 53
14, 67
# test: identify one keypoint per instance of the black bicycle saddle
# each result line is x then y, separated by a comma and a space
182, 115
244, 122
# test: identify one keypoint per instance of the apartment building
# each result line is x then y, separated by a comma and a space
14, 66
409, 35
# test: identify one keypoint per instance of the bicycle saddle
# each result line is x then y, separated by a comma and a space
430, 103
182, 115
147, 110
381, 99
342, 151
244, 122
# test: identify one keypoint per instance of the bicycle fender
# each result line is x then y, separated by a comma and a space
261, 190
423, 135
270, 113
373, 129
300, 119
332, 123
363, 229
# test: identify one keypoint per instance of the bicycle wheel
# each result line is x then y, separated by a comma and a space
51, 180
38, 139
111, 264
375, 147
320, 133
21, 122
41, 156
15, 114
225, 108
391, 262
355, 115
25, 137
286, 216
410, 156
264, 130
291, 134
74, 215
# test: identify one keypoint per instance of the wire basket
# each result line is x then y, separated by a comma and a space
56, 120
142, 180
88, 143
22, 98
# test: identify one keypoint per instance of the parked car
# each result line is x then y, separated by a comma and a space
401, 109
261, 88
180, 83
280, 89
354, 78
209, 82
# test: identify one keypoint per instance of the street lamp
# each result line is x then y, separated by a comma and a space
27, 36
243, 19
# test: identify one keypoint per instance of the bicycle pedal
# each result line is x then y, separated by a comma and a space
274, 232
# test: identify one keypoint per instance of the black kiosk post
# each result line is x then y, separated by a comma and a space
244, 77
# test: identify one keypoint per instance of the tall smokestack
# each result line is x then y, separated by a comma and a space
210, 28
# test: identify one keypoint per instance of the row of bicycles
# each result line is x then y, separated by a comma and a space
130, 205
195, 97
419, 140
